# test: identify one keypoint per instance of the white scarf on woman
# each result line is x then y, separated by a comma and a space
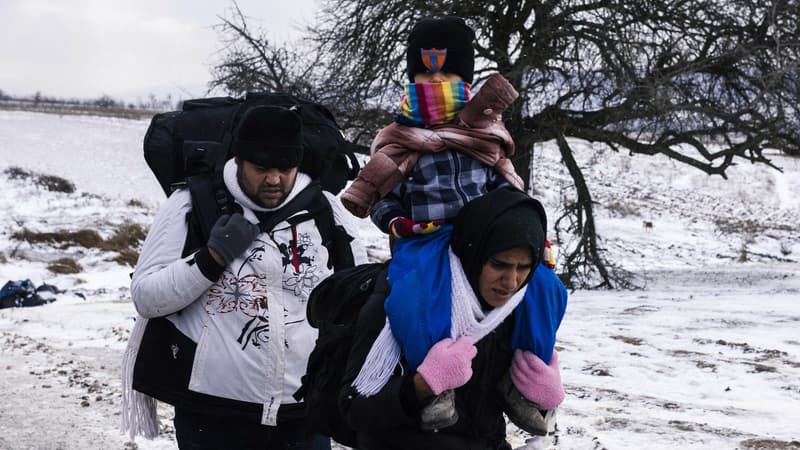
467, 319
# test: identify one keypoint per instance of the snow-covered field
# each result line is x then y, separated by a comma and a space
706, 355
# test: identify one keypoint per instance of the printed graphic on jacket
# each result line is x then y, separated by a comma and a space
248, 294
299, 268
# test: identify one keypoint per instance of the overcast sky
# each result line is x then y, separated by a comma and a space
124, 48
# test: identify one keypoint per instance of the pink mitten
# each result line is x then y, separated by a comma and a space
537, 381
448, 364
402, 227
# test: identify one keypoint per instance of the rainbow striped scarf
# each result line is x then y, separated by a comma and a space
428, 104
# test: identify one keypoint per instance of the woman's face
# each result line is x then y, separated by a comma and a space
503, 275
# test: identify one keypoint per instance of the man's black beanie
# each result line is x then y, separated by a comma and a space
448, 33
270, 136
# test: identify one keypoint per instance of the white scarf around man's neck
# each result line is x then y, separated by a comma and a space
232, 183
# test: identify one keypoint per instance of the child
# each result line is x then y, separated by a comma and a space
444, 150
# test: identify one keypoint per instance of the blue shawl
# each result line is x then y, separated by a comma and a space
418, 307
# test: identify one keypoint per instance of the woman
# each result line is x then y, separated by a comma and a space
496, 244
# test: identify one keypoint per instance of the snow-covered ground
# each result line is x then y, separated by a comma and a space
706, 355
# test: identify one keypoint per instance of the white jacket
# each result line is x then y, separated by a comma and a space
253, 339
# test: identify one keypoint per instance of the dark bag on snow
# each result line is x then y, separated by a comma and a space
23, 293
189, 148
333, 308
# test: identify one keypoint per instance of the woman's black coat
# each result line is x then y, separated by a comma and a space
390, 418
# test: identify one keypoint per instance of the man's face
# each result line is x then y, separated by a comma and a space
268, 187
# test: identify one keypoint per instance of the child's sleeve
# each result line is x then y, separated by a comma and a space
386, 209
495, 181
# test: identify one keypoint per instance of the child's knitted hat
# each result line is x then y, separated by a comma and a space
441, 45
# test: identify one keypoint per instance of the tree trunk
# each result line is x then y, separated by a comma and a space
522, 164
585, 257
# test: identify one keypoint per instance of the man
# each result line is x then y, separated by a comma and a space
226, 339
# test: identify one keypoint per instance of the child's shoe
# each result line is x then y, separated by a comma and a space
440, 412
494, 97
524, 413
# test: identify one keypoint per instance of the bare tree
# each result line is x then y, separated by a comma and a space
250, 61
704, 82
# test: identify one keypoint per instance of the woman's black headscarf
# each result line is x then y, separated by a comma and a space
503, 219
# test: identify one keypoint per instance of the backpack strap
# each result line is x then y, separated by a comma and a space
210, 198
205, 162
334, 236
268, 221
313, 201
210, 202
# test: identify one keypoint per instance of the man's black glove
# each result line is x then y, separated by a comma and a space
231, 235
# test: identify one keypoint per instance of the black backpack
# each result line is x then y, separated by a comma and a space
333, 307
189, 148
